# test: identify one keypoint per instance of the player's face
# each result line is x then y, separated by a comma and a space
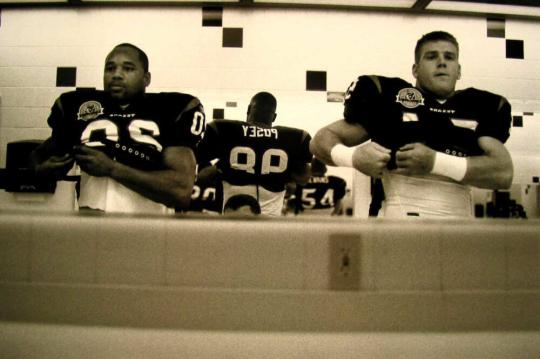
124, 76
438, 69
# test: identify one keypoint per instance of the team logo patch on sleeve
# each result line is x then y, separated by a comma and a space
410, 97
89, 110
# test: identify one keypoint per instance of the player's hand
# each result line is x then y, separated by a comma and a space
55, 166
94, 162
371, 159
415, 158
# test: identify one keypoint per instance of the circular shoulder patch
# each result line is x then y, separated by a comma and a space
89, 110
410, 97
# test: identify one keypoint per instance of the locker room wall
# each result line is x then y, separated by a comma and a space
276, 50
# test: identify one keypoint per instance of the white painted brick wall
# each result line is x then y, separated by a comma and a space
279, 46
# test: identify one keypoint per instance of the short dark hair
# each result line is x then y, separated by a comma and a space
265, 105
266, 98
142, 55
240, 200
433, 36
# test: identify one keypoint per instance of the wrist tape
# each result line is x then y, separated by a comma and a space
342, 155
449, 166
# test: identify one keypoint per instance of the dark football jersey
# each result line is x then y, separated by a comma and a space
249, 154
321, 192
134, 135
395, 113
207, 196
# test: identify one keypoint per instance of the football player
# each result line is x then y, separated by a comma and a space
322, 194
135, 149
207, 196
256, 158
426, 142
242, 205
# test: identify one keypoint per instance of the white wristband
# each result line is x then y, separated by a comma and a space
342, 155
449, 166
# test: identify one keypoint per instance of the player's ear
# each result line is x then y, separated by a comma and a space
274, 118
414, 70
147, 79
459, 72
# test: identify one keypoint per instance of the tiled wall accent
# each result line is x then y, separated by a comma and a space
212, 16
218, 114
495, 27
316, 80
515, 49
66, 77
233, 37
188, 54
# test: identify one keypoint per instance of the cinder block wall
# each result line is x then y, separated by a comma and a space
277, 49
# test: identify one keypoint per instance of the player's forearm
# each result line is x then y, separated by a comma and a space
166, 186
489, 172
322, 144
493, 169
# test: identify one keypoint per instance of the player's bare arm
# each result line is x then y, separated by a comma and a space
370, 159
492, 170
339, 132
171, 186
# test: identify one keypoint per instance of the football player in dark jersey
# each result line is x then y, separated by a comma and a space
207, 196
255, 157
426, 142
322, 194
135, 149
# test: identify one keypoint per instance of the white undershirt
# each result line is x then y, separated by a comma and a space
425, 197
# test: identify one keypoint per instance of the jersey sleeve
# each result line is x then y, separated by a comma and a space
62, 128
207, 149
189, 125
362, 101
497, 122
304, 153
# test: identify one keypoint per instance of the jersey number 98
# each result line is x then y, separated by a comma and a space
244, 159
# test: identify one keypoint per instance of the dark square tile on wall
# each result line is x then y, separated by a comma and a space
517, 121
218, 114
212, 16
316, 80
514, 49
66, 76
496, 27
233, 37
